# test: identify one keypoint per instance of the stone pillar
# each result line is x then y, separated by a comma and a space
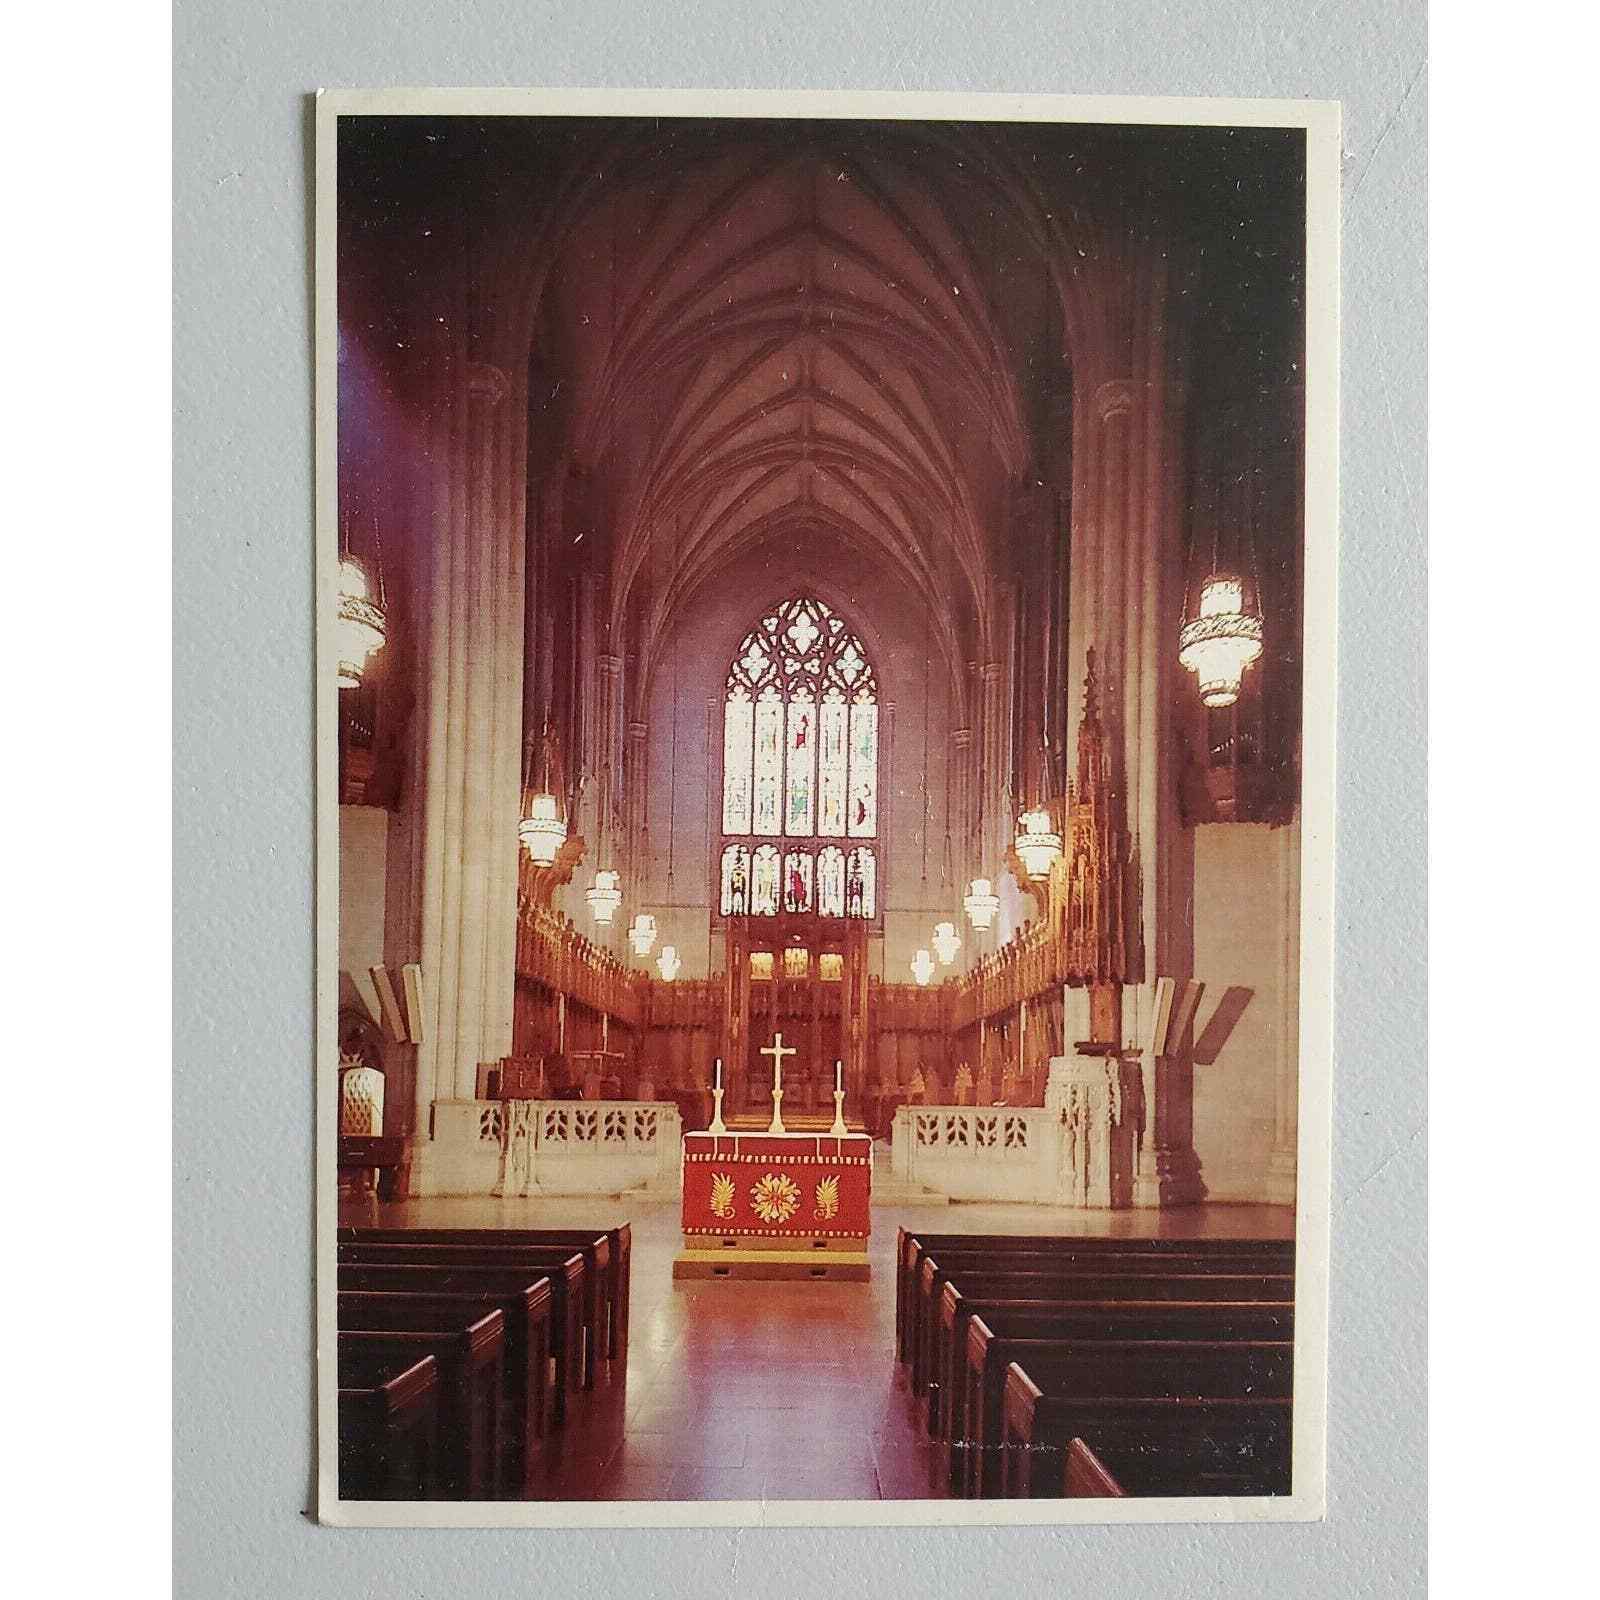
635, 784
1283, 1164
967, 865
469, 650
1126, 591
995, 826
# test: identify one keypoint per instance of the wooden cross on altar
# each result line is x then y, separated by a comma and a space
777, 1050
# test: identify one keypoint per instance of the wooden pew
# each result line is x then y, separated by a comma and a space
409, 1276
911, 1246
1086, 1477
528, 1379
615, 1265
388, 1427
471, 1358
1155, 1446
593, 1313
946, 1320
1001, 1332
949, 1263
1186, 1281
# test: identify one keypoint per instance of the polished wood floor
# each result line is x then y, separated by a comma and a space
780, 1391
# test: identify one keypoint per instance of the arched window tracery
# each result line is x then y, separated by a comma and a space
800, 762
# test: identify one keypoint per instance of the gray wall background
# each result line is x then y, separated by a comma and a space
243, 769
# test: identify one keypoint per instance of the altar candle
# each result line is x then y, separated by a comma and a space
719, 1073
838, 1077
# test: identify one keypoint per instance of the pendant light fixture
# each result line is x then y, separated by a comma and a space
642, 935
363, 626
981, 904
922, 967
1222, 640
542, 829
604, 896
946, 942
1037, 843
1223, 634
668, 962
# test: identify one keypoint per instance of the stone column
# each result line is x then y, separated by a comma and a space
994, 835
635, 777
470, 667
967, 866
1283, 1164
1127, 553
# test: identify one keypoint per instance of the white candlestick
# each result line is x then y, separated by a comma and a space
838, 1075
718, 1083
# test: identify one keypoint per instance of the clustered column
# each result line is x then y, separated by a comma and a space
470, 670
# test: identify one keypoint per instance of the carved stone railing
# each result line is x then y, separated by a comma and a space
979, 1152
1082, 1148
583, 1147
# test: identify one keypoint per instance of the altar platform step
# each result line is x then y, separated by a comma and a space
890, 1191
826, 1265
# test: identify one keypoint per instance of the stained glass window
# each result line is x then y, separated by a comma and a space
736, 880
800, 760
764, 882
861, 885
797, 881
738, 724
796, 963
830, 881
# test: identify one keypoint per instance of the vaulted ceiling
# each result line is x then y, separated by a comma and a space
788, 342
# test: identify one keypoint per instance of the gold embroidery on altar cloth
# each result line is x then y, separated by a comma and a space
776, 1197
721, 1195
827, 1199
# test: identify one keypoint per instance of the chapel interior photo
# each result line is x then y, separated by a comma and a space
818, 707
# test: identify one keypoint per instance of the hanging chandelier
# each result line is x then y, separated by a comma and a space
542, 831
1224, 639
362, 625
946, 941
981, 903
922, 967
642, 935
1037, 843
668, 962
604, 896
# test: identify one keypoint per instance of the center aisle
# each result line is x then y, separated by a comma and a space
763, 1390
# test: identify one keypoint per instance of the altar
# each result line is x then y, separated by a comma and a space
775, 1203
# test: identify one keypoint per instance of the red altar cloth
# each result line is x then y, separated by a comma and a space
778, 1185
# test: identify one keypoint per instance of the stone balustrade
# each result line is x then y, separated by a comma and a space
574, 1147
1081, 1148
